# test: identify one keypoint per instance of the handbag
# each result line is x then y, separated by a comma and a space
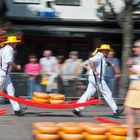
44, 80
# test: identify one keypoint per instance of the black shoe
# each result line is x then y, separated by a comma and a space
21, 111
118, 113
77, 113
115, 115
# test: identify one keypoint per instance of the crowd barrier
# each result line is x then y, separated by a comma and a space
73, 88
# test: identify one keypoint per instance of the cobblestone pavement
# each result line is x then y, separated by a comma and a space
20, 128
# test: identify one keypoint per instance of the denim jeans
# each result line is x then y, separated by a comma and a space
33, 86
112, 84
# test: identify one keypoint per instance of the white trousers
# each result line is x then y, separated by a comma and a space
104, 90
5, 83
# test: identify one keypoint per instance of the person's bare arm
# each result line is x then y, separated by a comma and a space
93, 67
116, 70
130, 62
14, 65
85, 65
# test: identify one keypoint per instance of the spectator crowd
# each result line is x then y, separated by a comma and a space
53, 74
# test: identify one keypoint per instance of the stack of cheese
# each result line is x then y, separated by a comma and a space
70, 131
45, 131
118, 133
57, 98
53, 98
108, 127
80, 131
95, 132
40, 97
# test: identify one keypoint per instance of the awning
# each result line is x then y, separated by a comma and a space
68, 28
67, 31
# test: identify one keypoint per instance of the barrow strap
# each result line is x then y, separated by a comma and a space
103, 120
101, 70
50, 106
3, 111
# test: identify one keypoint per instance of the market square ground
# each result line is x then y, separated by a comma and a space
20, 128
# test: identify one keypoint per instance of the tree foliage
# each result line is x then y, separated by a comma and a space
7, 29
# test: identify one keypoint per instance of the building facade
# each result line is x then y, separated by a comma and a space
63, 26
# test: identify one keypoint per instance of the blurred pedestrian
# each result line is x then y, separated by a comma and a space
132, 101
71, 67
70, 72
33, 69
112, 72
60, 61
97, 83
49, 71
6, 65
86, 65
84, 77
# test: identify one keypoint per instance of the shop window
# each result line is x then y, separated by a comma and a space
68, 2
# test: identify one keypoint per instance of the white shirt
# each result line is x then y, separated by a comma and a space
48, 65
7, 55
70, 67
135, 67
97, 60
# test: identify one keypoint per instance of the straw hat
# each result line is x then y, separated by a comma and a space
105, 47
12, 39
102, 47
